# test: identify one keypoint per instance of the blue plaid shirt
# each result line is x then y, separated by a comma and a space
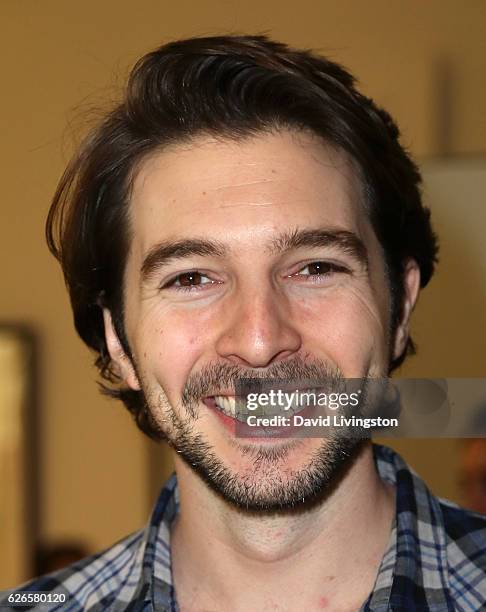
435, 561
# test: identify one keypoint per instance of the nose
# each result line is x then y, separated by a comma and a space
257, 330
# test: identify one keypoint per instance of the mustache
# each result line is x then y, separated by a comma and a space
216, 376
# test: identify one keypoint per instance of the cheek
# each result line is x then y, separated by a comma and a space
348, 328
168, 344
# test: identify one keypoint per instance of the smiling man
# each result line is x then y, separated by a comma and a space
241, 251
245, 213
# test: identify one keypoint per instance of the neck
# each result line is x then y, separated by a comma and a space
330, 551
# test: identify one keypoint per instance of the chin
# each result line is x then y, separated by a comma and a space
278, 475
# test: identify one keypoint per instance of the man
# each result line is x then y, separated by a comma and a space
245, 213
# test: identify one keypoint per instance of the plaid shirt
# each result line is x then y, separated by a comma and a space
436, 559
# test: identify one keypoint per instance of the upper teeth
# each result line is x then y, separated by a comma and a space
226, 403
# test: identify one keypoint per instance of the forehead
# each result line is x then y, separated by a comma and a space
243, 189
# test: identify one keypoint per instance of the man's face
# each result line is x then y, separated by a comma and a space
250, 257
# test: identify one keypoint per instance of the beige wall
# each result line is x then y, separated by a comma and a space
449, 325
58, 57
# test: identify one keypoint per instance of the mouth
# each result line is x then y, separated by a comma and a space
225, 404
236, 408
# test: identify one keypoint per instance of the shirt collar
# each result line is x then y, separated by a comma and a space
414, 567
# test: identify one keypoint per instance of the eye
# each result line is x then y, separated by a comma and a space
188, 281
321, 269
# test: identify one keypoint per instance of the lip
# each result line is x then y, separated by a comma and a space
226, 392
262, 434
228, 422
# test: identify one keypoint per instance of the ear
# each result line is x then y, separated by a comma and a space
411, 281
122, 363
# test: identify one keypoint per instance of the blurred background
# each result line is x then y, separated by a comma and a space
75, 473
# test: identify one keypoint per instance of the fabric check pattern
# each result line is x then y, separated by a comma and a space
435, 561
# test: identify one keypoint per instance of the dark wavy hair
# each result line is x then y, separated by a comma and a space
235, 87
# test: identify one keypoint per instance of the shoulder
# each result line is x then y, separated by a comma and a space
465, 533
465, 541
122, 577
449, 542
93, 583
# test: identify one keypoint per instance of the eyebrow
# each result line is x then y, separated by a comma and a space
164, 252
167, 251
346, 241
